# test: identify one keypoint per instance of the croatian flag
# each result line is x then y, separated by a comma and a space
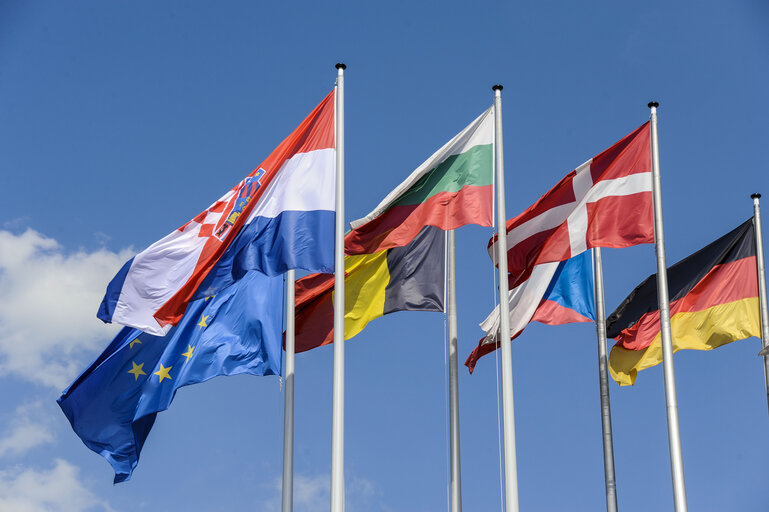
280, 216
605, 202
554, 294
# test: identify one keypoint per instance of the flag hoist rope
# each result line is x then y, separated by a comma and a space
674, 434
761, 287
337, 421
288, 403
508, 414
603, 383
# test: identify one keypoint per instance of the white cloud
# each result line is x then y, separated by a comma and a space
48, 303
25, 430
312, 493
59, 490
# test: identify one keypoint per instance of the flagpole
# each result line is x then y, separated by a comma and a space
508, 413
674, 434
288, 404
761, 288
337, 422
456, 475
603, 383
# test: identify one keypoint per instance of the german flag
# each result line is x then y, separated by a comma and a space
409, 278
713, 301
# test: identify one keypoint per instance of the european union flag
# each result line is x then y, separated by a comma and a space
113, 404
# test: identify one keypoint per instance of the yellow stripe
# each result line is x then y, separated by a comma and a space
364, 290
699, 330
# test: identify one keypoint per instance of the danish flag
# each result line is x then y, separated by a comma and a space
605, 202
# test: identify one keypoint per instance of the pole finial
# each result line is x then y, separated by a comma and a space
755, 196
653, 104
497, 87
341, 65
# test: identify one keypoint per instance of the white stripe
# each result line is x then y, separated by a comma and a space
577, 221
479, 132
156, 274
305, 182
524, 300
554, 217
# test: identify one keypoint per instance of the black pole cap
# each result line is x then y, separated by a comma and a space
497, 87
653, 104
340, 65
755, 196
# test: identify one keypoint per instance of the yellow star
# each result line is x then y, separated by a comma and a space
188, 354
136, 370
202, 322
163, 373
131, 345
209, 297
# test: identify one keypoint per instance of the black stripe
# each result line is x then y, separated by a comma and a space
682, 277
417, 273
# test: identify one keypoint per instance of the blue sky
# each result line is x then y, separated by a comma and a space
122, 121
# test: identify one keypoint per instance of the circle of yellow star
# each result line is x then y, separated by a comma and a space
163, 373
137, 370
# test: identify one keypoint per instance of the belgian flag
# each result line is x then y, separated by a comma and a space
409, 278
713, 301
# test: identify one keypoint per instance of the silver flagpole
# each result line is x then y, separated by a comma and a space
337, 422
456, 475
761, 288
674, 434
508, 414
288, 404
603, 383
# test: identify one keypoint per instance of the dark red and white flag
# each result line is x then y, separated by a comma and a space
605, 202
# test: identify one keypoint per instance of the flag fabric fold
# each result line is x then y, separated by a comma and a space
713, 301
409, 278
605, 202
112, 405
554, 294
453, 188
281, 216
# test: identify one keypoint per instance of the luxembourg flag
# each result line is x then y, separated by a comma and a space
279, 217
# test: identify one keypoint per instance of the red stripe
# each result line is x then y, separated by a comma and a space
315, 132
730, 282
550, 312
314, 311
399, 225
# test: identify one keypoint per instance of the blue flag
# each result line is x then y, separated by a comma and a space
112, 404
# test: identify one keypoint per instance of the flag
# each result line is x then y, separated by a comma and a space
454, 187
713, 301
554, 294
280, 216
409, 278
112, 405
605, 202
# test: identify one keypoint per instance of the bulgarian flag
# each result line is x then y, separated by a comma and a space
454, 187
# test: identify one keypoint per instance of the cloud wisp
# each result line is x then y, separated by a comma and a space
48, 303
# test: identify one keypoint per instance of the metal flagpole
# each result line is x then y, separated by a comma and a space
603, 383
288, 404
456, 476
674, 434
508, 414
337, 422
761, 288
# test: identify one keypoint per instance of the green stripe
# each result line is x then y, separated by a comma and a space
473, 167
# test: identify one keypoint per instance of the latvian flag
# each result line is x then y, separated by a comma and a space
713, 301
605, 202
280, 216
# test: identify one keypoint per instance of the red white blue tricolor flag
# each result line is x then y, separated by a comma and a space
605, 202
279, 217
